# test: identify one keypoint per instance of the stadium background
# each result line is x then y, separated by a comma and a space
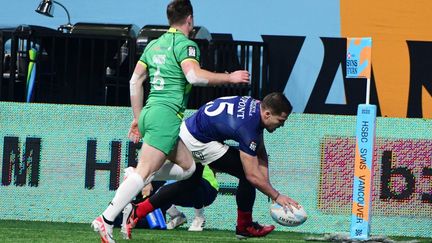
47, 175
400, 30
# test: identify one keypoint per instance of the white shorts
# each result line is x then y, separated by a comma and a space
204, 153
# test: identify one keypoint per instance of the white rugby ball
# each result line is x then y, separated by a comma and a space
287, 218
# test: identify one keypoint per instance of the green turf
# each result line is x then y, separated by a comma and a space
28, 231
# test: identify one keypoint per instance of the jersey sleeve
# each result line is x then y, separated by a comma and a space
142, 58
187, 49
248, 140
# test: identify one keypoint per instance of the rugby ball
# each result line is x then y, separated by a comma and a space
287, 218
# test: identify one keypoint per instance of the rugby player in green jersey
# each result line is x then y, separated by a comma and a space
172, 65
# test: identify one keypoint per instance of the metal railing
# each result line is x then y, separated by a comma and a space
95, 69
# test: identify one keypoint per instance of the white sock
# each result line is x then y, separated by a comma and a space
127, 171
199, 212
171, 171
173, 211
125, 193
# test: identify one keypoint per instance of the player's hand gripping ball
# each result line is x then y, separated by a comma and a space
287, 218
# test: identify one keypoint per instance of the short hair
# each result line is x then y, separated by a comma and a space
178, 11
276, 103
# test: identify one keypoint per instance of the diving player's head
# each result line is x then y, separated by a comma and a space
180, 15
275, 109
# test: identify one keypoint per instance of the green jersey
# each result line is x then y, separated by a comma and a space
209, 176
163, 57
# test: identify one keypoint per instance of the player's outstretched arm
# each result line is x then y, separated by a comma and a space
136, 96
255, 176
136, 88
263, 158
201, 77
259, 177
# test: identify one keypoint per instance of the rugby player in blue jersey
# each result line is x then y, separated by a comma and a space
242, 119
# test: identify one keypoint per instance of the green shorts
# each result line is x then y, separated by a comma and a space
160, 127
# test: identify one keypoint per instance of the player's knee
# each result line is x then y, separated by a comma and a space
189, 172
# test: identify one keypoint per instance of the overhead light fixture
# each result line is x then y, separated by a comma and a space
46, 8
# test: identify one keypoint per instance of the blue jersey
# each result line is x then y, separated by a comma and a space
229, 118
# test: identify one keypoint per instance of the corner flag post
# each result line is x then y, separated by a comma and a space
358, 65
